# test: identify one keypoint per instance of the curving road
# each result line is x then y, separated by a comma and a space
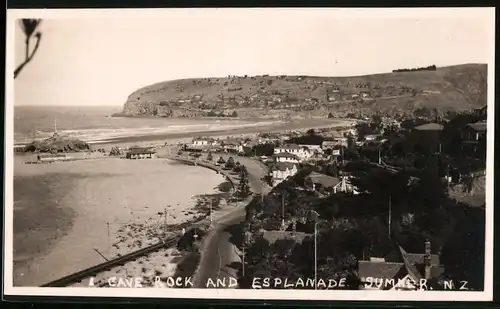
220, 260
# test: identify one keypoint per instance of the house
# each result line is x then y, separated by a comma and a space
474, 139
202, 142
321, 182
372, 137
311, 147
302, 152
273, 236
428, 136
140, 153
328, 144
19, 148
287, 157
409, 271
233, 145
280, 171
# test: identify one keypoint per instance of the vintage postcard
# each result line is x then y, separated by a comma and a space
273, 154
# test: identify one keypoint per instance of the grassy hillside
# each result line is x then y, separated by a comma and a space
455, 88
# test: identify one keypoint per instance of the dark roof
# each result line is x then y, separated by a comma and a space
418, 258
232, 141
282, 166
324, 180
429, 127
273, 236
290, 146
287, 155
141, 150
478, 126
381, 270
411, 264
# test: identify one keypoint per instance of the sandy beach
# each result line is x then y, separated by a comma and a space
64, 212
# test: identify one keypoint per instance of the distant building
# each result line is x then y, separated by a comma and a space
280, 171
428, 136
372, 137
287, 157
302, 152
474, 139
328, 144
407, 272
233, 145
140, 153
202, 141
273, 236
321, 182
19, 148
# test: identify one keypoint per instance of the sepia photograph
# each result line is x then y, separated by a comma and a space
258, 153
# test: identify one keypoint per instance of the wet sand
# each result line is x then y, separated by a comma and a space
64, 212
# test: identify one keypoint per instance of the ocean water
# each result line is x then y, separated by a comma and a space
95, 124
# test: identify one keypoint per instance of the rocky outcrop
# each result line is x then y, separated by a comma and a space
136, 108
57, 144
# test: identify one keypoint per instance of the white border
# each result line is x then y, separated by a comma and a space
486, 295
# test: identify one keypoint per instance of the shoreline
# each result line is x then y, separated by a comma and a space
265, 127
129, 232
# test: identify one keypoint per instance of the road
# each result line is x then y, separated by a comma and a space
219, 255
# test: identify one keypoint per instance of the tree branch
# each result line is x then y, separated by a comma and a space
22, 65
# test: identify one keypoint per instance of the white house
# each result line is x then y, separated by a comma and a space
201, 142
287, 157
312, 147
233, 145
302, 152
328, 144
280, 171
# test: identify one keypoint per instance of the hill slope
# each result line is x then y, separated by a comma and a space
456, 88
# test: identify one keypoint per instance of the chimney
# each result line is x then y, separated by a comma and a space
427, 259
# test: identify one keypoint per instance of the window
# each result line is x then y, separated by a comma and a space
477, 136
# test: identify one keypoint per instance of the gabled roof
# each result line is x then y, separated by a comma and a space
232, 141
429, 127
273, 236
324, 180
380, 270
290, 146
282, 166
287, 155
411, 264
478, 126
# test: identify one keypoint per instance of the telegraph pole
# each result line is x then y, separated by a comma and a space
390, 215
109, 237
243, 262
211, 219
165, 213
283, 210
315, 256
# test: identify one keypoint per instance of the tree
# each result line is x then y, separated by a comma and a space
230, 163
115, 151
234, 114
209, 157
330, 116
463, 255
29, 27
221, 160
243, 189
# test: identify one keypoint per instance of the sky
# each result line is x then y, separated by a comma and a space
99, 58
